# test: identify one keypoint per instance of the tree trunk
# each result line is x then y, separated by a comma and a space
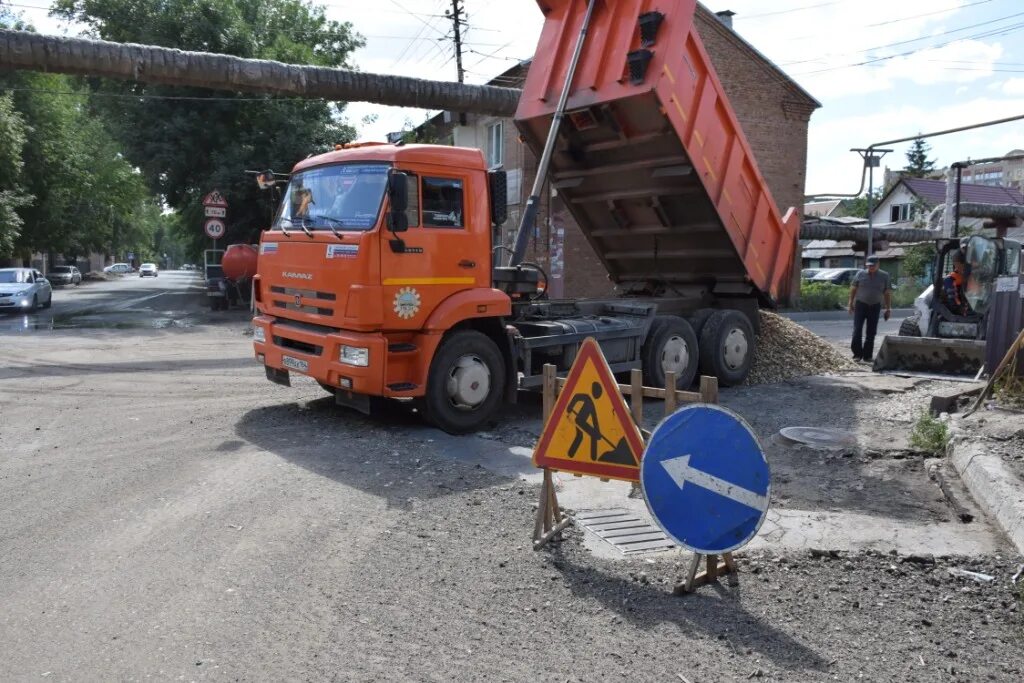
167, 66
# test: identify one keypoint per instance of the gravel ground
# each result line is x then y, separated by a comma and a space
167, 513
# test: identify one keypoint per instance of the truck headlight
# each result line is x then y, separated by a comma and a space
259, 334
354, 355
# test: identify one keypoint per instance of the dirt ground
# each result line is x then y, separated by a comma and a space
168, 513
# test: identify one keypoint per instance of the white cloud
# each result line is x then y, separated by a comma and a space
1012, 86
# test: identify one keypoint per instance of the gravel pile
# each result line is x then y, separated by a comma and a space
786, 350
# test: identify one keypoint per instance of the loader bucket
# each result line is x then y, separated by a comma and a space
955, 358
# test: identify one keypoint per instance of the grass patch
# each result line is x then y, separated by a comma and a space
930, 435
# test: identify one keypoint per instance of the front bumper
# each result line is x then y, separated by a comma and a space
14, 303
319, 351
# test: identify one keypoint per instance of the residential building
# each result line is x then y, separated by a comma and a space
773, 110
911, 200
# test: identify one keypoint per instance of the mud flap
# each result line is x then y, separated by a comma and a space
930, 356
278, 376
348, 399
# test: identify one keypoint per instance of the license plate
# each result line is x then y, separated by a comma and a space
295, 364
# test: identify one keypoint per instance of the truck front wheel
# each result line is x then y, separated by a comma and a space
727, 347
671, 346
465, 382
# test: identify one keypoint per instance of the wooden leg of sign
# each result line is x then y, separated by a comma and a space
713, 569
636, 397
550, 522
670, 393
708, 389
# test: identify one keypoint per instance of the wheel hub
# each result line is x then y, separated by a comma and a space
736, 348
675, 356
469, 382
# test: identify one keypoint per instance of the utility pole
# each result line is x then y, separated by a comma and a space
872, 159
456, 15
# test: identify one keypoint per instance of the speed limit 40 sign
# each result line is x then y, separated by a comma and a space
214, 228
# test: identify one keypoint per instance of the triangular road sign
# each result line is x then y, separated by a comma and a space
590, 430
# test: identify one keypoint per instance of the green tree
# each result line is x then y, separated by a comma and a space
918, 163
858, 206
12, 192
186, 147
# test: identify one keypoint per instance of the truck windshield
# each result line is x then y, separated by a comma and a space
342, 197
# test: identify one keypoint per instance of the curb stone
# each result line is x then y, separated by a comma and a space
995, 488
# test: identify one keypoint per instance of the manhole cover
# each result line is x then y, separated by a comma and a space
628, 531
820, 437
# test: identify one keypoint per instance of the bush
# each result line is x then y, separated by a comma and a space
903, 296
822, 296
929, 435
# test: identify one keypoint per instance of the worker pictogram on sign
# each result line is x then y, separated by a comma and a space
590, 430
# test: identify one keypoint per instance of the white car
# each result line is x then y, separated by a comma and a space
24, 289
118, 268
147, 269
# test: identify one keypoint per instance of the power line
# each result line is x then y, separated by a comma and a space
790, 11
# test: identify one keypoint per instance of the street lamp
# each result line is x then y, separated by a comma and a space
872, 159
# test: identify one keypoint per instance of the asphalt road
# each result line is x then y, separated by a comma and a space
837, 327
173, 299
167, 513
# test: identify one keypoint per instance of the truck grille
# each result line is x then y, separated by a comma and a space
304, 308
296, 345
307, 293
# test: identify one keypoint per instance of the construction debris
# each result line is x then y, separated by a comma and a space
786, 350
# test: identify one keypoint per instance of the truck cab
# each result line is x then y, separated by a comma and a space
375, 253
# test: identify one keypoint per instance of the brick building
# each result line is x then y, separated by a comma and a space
773, 110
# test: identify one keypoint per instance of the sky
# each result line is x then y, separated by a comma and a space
882, 70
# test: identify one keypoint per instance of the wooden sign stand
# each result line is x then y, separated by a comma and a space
550, 520
712, 570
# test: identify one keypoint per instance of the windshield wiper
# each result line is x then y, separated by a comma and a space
304, 228
331, 221
286, 233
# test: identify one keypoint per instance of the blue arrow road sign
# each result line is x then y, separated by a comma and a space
705, 479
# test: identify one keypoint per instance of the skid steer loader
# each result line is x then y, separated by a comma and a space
943, 338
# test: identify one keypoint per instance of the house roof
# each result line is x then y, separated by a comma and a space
821, 208
933, 192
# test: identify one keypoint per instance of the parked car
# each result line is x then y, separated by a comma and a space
147, 269
836, 276
118, 268
64, 275
24, 289
808, 273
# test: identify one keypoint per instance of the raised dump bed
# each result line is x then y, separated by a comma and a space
651, 160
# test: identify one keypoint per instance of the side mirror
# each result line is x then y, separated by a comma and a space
398, 196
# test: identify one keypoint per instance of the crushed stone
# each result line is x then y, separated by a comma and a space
785, 350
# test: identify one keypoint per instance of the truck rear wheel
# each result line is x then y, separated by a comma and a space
727, 346
465, 383
671, 346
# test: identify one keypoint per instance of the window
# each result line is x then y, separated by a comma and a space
495, 144
442, 203
899, 212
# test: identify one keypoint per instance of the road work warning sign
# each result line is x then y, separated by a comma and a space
590, 430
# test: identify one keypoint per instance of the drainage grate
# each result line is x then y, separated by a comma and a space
628, 531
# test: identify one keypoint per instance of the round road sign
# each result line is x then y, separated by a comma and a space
705, 479
214, 228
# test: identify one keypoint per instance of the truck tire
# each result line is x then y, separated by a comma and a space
671, 345
699, 318
465, 384
727, 346
911, 327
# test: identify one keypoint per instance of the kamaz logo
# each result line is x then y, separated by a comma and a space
298, 276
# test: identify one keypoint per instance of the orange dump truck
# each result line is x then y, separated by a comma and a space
376, 277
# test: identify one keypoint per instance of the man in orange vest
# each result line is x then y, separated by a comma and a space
953, 286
